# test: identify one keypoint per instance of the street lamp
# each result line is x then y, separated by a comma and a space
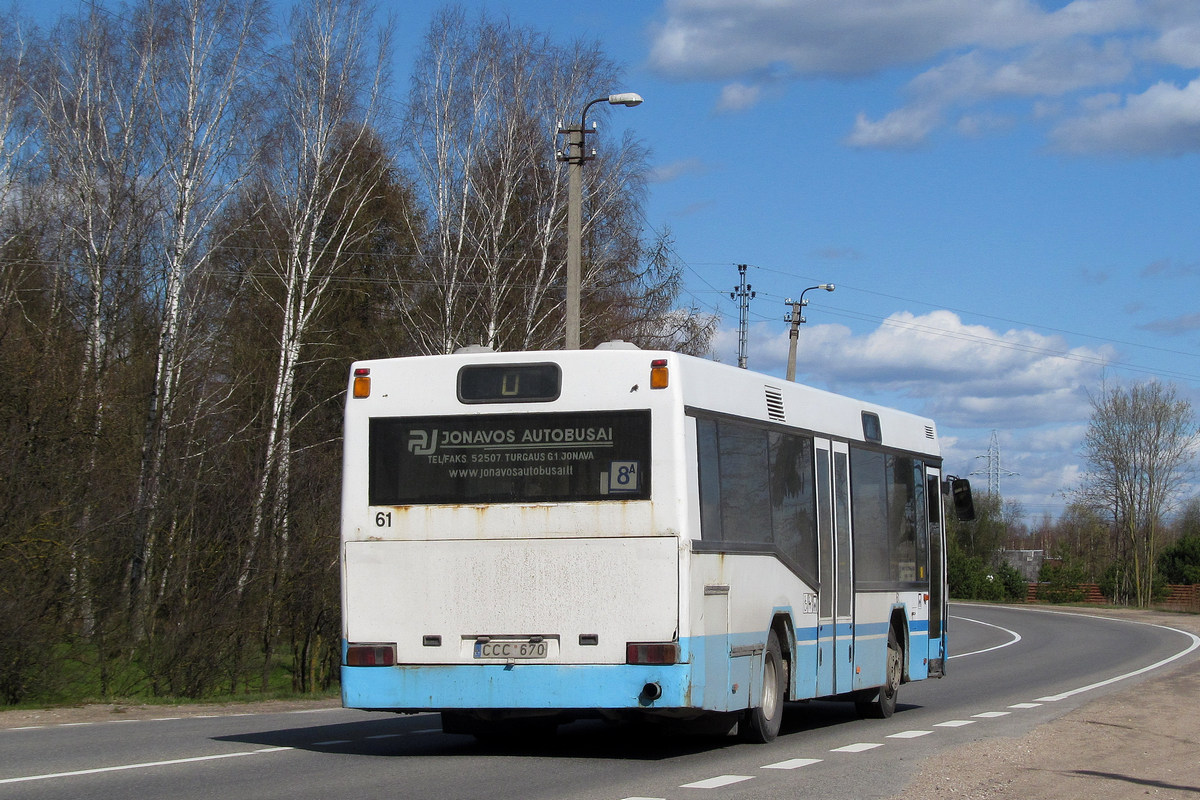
575, 154
796, 319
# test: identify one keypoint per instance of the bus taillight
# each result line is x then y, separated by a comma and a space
371, 655
362, 382
659, 377
652, 653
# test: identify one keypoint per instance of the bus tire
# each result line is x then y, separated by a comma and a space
760, 724
881, 702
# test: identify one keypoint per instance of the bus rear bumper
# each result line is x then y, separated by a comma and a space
520, 686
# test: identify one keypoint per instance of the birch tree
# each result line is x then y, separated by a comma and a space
1140, 448
486, 102
32, 561
446, 104
203, 110
329, 81
92, 100
16, 125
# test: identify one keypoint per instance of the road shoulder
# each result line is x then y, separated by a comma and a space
1137, 741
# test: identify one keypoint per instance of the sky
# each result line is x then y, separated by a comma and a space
1004, 193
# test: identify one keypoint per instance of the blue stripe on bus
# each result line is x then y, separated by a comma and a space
548, 686
619, 686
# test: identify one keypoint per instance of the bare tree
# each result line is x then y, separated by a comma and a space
486, 101
639, 305
1139, 447
203, 108
17, 128
446, 104
92, 100
329, 82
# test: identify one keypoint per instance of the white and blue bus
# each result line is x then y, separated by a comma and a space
539, 536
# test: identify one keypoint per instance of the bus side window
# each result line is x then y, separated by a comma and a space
793, 501
710, 480
745, 495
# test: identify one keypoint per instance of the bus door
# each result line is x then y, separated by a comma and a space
835, 629
843, 649
826, 583
937, 574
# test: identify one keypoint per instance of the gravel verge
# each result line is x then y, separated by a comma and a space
1141, 741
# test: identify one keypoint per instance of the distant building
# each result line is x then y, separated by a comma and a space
1026, 562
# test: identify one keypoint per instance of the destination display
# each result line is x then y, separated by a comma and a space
509, 383
510, 458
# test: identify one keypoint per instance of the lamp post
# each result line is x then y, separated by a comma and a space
575, 154
795, 317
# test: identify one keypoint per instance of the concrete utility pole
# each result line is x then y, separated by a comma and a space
743, 294
575, 154
797, 319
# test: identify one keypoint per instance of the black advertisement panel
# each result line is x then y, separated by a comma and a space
510, 458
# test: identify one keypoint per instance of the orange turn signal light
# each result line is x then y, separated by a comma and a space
659, 376
362, 382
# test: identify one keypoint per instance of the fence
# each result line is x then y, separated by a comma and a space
1179, 597
1183, 598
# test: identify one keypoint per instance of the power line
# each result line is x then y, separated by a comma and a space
983, 315
996, 342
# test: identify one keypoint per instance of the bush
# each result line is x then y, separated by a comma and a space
1180, 562
1117, 583
971, 579
964, 574
1063, 582
1014, 585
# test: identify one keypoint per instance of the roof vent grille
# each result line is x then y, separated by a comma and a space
775, 404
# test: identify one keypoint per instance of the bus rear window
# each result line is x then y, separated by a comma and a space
510, 458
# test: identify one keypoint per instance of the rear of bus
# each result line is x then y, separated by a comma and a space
512, 526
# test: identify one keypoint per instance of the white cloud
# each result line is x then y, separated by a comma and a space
964, 376
902, 129
725, 39
974, 55
1178, 46
738, 97
970, 379
1163, 120
1060, 67
1049, 70
975, 126
665, 173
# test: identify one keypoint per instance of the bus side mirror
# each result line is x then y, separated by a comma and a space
964, 506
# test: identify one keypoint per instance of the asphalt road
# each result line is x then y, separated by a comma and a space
1014, 668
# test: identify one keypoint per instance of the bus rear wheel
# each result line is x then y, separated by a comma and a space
760, 724
881, 703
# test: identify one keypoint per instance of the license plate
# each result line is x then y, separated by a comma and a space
511, 648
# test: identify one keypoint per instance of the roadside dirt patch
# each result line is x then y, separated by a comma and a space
1143, 741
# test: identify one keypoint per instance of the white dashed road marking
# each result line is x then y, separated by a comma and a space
909, 734
717, 782
146, 765
793, 763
